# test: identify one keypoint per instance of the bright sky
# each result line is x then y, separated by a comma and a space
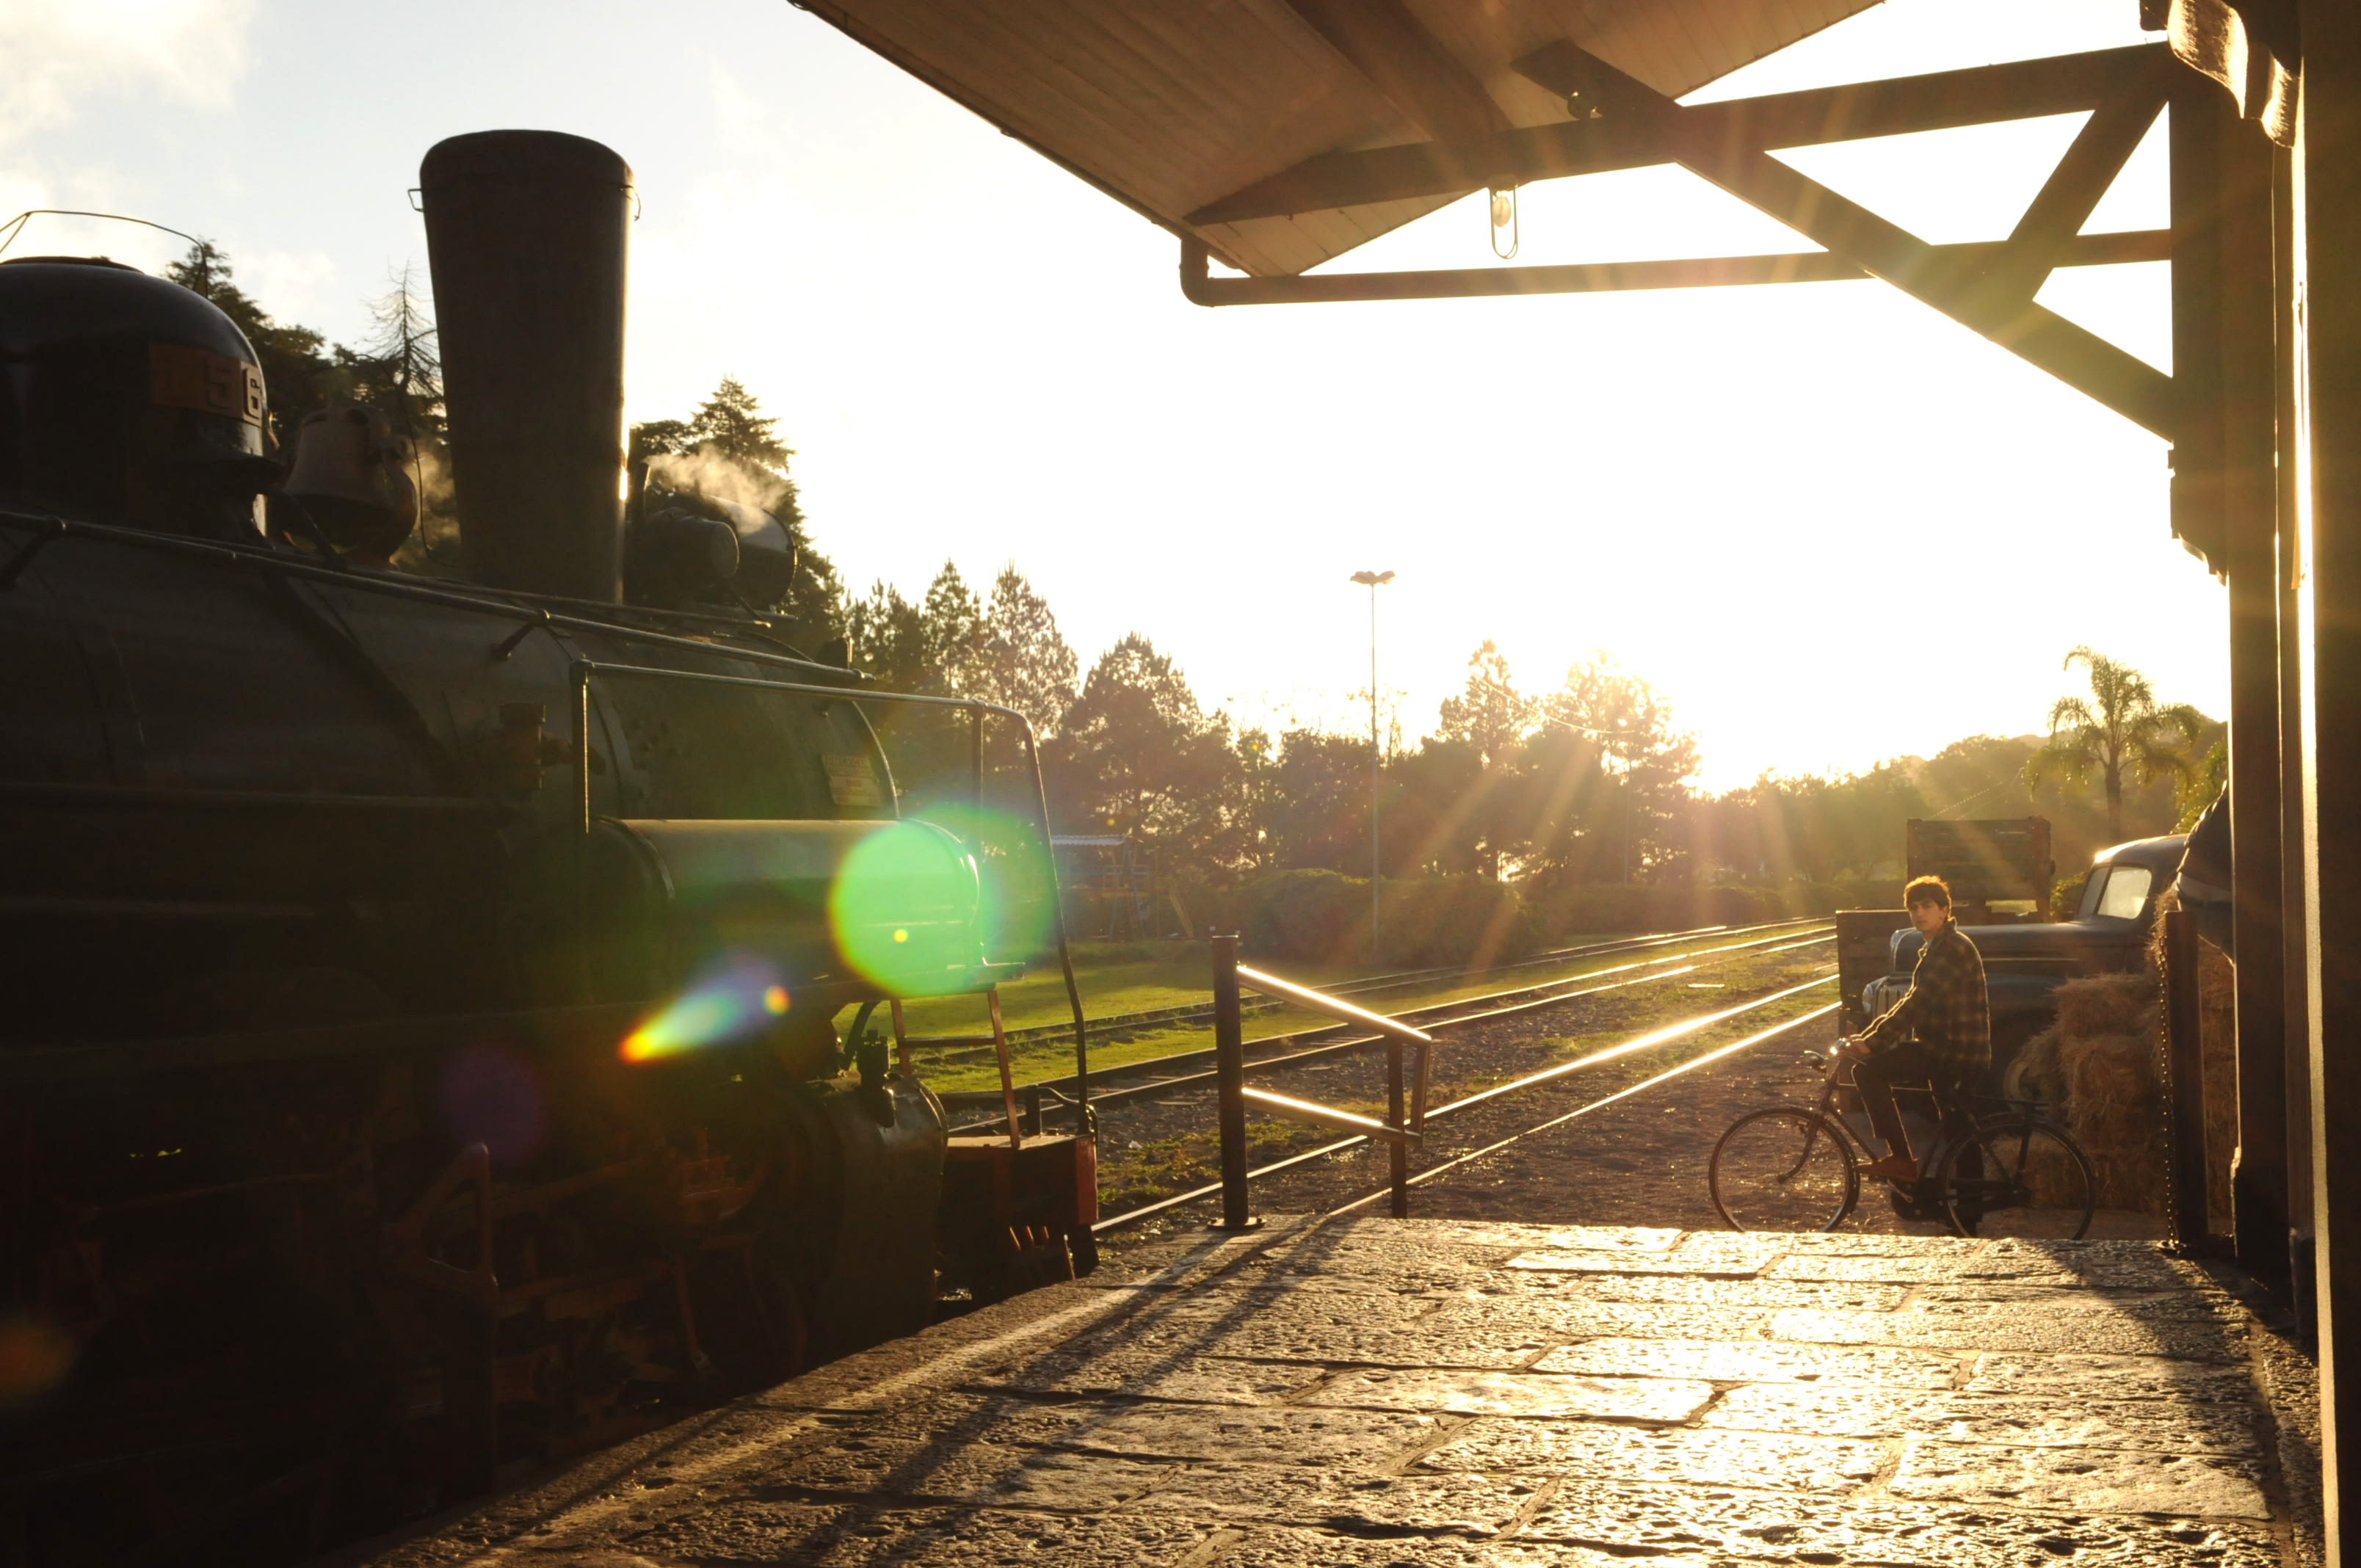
1736, 492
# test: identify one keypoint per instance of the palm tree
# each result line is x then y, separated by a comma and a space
2121, 728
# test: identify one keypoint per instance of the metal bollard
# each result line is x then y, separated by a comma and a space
1230, 1077
2185, 1080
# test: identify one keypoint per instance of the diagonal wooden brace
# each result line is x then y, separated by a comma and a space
1745, 168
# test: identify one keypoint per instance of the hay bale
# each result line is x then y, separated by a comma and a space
2040, 1069
2114, 1108
2104, 1005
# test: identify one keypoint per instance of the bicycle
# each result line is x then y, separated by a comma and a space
2009, 1171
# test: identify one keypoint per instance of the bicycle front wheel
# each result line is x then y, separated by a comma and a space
1783, 1168
2019, 1176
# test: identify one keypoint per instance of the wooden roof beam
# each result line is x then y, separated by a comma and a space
1936, 101
1401, 60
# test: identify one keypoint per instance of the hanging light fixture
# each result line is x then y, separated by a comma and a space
1504, 217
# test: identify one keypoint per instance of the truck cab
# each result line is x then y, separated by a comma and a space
2025, 964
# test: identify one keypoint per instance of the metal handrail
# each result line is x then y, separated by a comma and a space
581, 672
1396, 1132
1321, 1002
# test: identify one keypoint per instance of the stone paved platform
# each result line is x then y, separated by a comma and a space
1370, 1392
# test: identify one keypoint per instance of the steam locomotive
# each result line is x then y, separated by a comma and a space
419, 1041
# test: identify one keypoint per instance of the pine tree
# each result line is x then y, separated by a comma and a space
401, 367
732, 423
1023, 662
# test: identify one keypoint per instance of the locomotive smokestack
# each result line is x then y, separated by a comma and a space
526, 234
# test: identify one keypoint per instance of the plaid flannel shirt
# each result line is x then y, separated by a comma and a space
1946, 1008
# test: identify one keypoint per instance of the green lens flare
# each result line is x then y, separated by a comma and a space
906, 910
1019, 899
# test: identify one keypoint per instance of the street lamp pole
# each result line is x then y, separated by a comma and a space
1372, 581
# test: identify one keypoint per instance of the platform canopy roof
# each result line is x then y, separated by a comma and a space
1213, 117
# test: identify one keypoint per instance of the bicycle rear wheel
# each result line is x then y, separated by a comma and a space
1785, 1168
2019, 1176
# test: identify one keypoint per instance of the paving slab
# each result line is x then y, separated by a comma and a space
1740, 1361
1444, 1391
1562, 1316
1348, 1503
1780, 1461
2102, 1377
1711, 1264
1738, 1295
1867, 1411
1960, 1326
1284, 1547
2100, 1480
1368, 1393
1633, 1519
1159, 1374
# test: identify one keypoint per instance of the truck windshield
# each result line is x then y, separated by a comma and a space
2123, 892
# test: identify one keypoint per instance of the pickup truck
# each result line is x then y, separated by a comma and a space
2023, 963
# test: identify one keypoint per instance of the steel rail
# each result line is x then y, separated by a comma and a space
1338, 1047
1148, 1210
1171, 1017
1432, 1171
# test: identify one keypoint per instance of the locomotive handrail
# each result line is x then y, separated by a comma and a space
581, 671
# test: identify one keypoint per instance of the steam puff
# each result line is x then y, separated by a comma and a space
719, 479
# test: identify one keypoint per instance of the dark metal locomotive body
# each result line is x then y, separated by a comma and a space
336, 906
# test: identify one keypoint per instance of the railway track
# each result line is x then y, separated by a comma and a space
1369, 985
1492, 1099
1275, 1053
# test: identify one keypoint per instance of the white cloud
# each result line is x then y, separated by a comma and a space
291, 282
60, 55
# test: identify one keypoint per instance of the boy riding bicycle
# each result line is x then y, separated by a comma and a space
1940, 1033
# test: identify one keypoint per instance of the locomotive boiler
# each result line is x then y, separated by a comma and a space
422, 1038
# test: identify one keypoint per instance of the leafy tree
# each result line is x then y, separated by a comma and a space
1432, 807
1637, 808
2120, 728
1137, 754
1489, 714
1021, 661
1316, 806
2196, 789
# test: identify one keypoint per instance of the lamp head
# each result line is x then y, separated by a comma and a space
1371, 579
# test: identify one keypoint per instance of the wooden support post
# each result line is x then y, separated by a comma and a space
2249, 492
2185, 1080
1230, 1081
1397, 1151
2327, 277
2294, 982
